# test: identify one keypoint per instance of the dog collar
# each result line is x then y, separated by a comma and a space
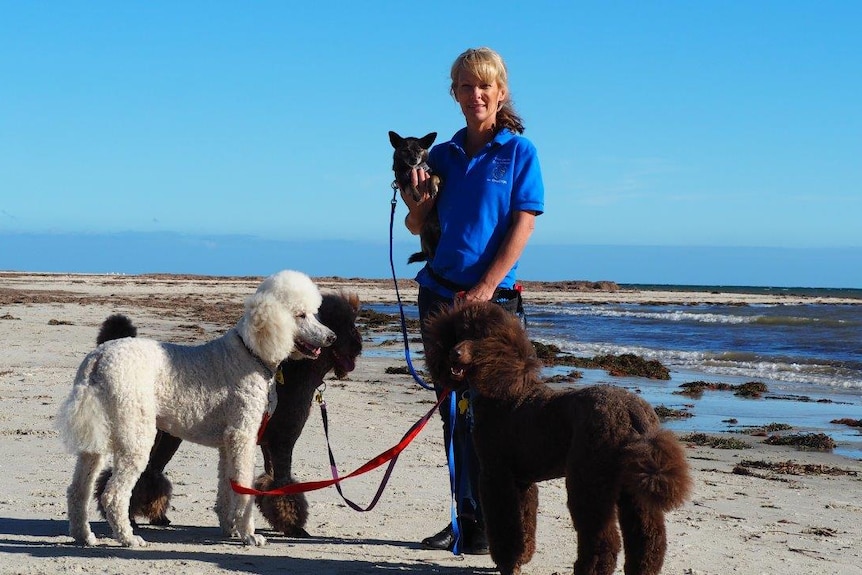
266, 368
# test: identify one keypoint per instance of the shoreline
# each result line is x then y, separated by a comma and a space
383, 290
743, 517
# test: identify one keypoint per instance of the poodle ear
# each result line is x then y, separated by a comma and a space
440, 336
267, 327
353, 300
505, 362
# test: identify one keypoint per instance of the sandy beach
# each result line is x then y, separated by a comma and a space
751, 513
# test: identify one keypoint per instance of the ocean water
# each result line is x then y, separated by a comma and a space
809, 356
812, 348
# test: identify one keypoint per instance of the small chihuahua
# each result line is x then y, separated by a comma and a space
412, 153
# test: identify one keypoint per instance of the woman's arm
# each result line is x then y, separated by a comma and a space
510, 251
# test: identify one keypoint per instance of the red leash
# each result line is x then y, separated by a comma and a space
390, 454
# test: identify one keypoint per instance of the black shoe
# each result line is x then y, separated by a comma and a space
443, 541
473, 538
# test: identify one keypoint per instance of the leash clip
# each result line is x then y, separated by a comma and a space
395, 190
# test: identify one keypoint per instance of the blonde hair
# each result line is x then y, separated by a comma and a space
488, 65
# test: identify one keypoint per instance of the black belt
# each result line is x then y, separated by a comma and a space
450, 285
499, 293
509, 299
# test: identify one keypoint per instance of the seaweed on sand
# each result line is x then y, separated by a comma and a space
715, 442
665, 412
624, 365
752, 389
790, 468
847, 421
815, 441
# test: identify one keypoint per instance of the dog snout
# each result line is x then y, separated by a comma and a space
329, 338
462, 353
465, 349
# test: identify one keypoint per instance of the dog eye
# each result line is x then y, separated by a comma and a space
301, 315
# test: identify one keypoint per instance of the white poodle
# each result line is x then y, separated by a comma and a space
214, 394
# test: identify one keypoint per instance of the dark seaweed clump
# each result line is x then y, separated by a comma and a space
789, 468
570, 377
665, 412
847, 421
766, 429
751, 389
376, 321
716, 442
816, 441
550, 354
624, 365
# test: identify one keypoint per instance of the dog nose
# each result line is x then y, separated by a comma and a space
330, 339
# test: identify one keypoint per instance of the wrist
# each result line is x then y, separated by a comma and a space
413, 222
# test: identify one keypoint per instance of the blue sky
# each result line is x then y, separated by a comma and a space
722, 124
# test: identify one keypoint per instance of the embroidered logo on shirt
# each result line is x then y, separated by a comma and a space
499, 170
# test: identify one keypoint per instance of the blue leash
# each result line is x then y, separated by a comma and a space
456, 529
415, 375
454, 480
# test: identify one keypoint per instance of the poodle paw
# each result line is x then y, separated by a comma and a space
254, 539
85, 539
134, 541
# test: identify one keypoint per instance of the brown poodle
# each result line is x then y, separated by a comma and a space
286, 513
619, 465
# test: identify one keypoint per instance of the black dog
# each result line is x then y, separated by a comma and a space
410, 153
286, 513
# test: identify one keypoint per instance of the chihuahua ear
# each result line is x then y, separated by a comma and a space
427, 140
395, 139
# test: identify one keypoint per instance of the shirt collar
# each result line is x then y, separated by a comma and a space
500, 138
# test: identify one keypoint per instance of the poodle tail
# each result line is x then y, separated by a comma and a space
116, 326
82, 421
655, 471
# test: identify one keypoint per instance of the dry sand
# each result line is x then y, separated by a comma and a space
767, 522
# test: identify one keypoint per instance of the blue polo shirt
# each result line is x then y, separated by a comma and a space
479, 197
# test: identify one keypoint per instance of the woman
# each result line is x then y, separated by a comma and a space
492, 193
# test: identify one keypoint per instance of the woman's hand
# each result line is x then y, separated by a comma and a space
418, 209
419, 178
479, 292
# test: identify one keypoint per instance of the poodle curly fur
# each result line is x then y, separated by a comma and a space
151, 496
620, 465
285, 513
213, 394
